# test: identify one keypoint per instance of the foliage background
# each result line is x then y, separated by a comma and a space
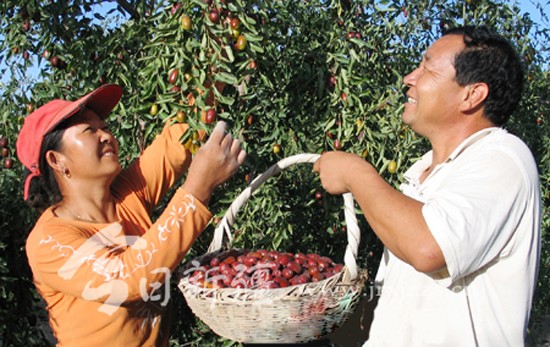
312, 86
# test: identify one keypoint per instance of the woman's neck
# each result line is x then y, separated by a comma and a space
93, 209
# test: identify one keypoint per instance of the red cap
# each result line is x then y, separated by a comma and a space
47, 117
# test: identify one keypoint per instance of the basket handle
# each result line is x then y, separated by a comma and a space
353, 232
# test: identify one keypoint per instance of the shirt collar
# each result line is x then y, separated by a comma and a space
471, 140
425, 161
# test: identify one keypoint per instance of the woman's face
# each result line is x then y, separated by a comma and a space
89, 149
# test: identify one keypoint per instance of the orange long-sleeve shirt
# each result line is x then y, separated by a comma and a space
108, 284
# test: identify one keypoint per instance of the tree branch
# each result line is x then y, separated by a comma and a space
128, 8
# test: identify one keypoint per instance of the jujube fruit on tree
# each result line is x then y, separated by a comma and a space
54, 61
173, 78
235, 23
175, 8
210, 116
344, 97
241, 43
180, 116
8, 163
214, 16
392, 166
186, 22
332, 81
154, 109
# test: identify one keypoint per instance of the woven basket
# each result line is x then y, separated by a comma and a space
294, 314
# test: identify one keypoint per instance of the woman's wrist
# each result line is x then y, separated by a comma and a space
199, 191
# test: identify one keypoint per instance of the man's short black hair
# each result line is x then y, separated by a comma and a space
490, 58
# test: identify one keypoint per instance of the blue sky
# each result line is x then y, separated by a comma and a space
528, 7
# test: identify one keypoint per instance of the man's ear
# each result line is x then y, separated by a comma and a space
474, 97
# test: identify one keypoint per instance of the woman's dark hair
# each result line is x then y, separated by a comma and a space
44, 190
491, 59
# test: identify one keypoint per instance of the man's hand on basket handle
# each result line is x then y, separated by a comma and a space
337, 170
214, 163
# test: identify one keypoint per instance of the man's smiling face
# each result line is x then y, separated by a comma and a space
433, 94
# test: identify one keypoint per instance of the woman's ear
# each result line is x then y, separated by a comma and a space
56, 161
474, 97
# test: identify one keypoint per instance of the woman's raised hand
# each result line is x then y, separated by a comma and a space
214, 163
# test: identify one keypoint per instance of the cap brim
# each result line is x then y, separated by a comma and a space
102, 101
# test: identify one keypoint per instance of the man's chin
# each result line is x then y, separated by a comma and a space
406, 118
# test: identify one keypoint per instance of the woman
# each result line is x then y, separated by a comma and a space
100, 263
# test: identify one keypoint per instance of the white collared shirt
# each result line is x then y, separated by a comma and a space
483, 207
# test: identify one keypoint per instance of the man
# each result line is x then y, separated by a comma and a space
462, 236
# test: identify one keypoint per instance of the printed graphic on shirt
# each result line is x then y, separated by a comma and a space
111, 267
